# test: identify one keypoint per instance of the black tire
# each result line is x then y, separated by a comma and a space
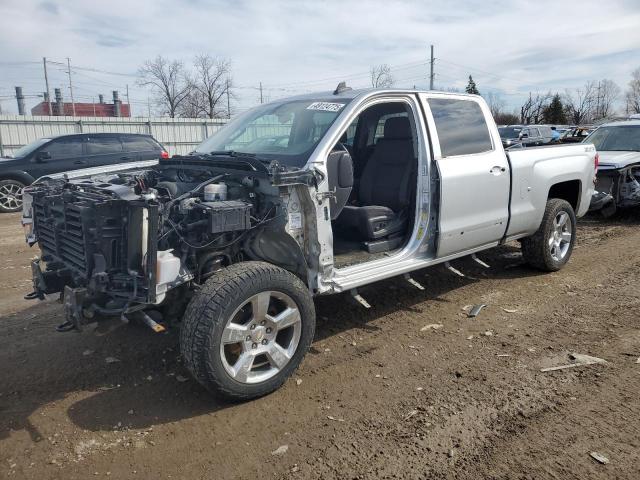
536, 249
10, 199
212, 308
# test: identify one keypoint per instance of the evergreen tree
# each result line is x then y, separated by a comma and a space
471, 87
554, 113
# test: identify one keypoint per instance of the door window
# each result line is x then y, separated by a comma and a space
101, 146
138, 144
461, 126
64, 148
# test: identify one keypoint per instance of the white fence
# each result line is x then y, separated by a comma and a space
178, 135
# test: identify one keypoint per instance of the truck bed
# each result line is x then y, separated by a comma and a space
533, 169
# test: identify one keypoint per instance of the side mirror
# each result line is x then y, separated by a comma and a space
43, 156
345, 171
524, 135
340, 177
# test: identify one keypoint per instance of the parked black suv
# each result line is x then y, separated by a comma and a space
70, 152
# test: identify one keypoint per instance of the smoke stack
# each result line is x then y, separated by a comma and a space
20, 99
117, 111
47, 103
59, 102
101, 99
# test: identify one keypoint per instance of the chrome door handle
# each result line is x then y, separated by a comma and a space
497, 170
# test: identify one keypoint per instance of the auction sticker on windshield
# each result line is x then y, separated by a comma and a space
326, 106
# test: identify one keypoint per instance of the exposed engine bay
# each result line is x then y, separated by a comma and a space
117, 243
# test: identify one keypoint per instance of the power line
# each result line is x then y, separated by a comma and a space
474, 69
348, 76
9, 64
97, 70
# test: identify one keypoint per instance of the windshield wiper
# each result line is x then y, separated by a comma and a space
232, 153
235, 154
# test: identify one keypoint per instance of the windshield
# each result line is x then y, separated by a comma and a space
618, 138
27, 149
509, 132
286, 131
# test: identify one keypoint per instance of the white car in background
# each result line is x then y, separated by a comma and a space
618, 175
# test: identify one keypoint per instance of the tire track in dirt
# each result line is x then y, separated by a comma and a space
401, 403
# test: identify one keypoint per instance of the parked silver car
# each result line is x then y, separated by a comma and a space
525, 135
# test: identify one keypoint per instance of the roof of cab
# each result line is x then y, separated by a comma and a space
350, 94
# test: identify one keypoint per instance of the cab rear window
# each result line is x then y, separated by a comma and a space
461, 126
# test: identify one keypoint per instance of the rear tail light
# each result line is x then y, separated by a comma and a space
164, 154
596, 160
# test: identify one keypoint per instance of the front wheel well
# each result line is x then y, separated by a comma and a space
21, 177
569, 191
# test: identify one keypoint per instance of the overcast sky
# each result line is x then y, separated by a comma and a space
510, 47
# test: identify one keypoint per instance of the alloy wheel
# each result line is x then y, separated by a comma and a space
560, 237
261, 337
10, 196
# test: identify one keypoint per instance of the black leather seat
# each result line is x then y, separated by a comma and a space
385, 189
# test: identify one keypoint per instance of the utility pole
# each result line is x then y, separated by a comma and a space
431, 74
73, 104
598, 102
228, 100
128, 102
261, 98
46, 81
149, 106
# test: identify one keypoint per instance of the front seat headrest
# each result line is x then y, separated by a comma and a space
397, 128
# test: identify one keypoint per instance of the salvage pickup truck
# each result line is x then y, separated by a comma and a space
310, 195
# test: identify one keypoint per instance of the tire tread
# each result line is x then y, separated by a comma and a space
207, 307
534, 248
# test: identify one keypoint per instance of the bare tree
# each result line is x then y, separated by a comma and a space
532, 109
632, 95
496, 103
580, 103
194, 105
381, 76
607, 93
167, 79
210, 83
504, 118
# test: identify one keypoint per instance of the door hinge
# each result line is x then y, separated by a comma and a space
320, 196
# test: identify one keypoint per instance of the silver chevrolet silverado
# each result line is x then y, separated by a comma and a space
310, 195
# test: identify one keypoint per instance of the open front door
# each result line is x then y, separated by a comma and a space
474, 173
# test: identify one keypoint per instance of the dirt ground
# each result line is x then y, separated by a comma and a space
378, 396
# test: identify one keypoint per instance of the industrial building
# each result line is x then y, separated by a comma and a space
81, 109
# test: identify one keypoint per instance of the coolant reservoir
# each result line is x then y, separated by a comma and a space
215, 192
167, 267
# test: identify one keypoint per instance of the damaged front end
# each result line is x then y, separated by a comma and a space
120, 243
616, 188
99, 245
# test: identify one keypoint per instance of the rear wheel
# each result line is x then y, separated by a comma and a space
247, 330
550, 248
10, 195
